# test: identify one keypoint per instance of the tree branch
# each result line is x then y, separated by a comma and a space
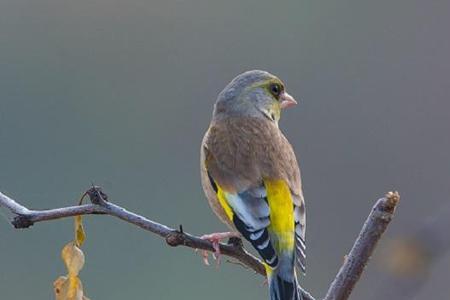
340, 289
355, 262
25, 218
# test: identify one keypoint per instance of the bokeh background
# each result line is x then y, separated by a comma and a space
119, 93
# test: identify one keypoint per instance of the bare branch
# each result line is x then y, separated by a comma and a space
362, 249
25, 218
340, 289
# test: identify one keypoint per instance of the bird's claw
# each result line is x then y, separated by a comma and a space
215, 239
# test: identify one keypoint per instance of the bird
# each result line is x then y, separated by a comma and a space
251, 178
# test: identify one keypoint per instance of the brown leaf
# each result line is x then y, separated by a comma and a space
80, 235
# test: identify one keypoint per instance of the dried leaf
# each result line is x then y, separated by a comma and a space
80, 235
73, 257
69, 287
61, 287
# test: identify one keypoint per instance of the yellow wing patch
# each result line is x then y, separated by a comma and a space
223, 202
281, 213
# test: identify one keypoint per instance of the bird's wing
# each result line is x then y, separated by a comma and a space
292, 175
265, 216
250, 214
300, 226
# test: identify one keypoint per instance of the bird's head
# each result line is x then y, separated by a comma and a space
254, 94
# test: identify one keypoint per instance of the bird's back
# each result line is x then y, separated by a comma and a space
241, 152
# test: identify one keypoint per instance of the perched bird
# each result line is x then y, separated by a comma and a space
252, 180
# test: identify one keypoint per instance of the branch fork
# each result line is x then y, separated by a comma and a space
340, 289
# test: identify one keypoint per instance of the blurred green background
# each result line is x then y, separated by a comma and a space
119, 93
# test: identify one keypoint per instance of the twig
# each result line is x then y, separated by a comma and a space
362, 249
25, 218
340, 289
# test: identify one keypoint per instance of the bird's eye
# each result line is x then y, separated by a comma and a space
275, 89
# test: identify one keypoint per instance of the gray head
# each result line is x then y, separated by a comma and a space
253, 94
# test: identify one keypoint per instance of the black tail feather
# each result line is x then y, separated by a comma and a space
281, 289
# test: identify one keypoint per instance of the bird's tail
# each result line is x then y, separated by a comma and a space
282, 287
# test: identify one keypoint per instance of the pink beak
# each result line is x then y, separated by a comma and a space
287, 100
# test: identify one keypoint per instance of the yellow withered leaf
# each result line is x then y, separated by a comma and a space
63, 291
80, 235
73, 257
69, 287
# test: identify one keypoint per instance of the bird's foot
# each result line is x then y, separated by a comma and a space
215, 239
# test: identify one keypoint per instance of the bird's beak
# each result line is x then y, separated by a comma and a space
287, 100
